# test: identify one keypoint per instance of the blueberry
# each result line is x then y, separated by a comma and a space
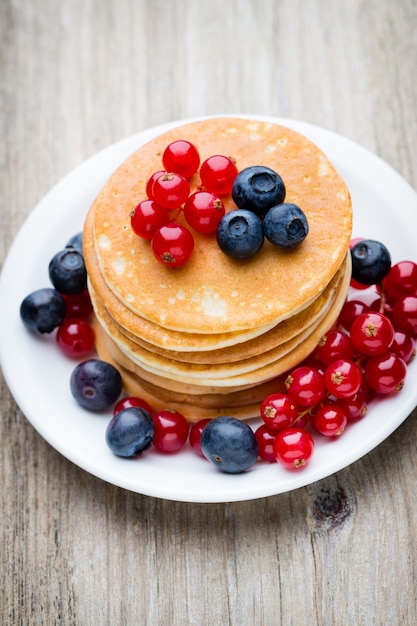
229, 444
257, 189
95, 384
67, 271
43, 310
239, 234
285, 225
76, 242
371, 261
130, 432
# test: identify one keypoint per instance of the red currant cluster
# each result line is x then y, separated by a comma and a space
364, 356
168, 194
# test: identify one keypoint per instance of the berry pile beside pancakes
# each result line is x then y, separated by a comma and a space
216, 336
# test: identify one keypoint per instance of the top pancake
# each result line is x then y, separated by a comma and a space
213, 293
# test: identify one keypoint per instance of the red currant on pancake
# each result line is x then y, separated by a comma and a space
75, 337
170, 190
343, 378
372, 333
171, 431
181, 156
385, 373
218, 173
172, 244
293, 447
330, 420
203, 211
150, 183
147, 217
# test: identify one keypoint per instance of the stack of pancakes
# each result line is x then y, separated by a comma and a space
217, 335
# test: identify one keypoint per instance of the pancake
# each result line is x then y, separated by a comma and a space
214, 294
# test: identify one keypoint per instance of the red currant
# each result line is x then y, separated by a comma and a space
385, 373
171, 431
351, 310
147, 218
170, 190
218, 173
404, 346
401, 280
203, 212
150, 183
334, 345
343, 378
404, 315
330, 420
78, 305
182, 157
305, 385
293, 447
131, 401
195, 435
75, 337
278, 411
265, 439
172, 245
372, 333
355, 406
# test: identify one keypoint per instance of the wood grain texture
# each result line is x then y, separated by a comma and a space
78, 75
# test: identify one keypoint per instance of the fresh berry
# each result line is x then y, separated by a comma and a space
258, 188
334, 345
285, 225
372, 333
76, 241
350, 311
265, 439
78, 305
371, 261
150, 183
278, 411
203, 212
67, 271
240, 234
305, 385
130, 401
343, 378
293, 447
95, 384
43, 310
147, 217
385, 373
172, 244
403, 346
182, 157
218, 173
75, 337
229, 444
170, 190
195, 435
355, 406
330, 420
130, 432
401, 280
404, 315
171, 431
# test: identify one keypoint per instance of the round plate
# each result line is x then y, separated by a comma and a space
384, 208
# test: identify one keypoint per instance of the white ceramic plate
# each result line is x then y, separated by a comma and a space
385, 208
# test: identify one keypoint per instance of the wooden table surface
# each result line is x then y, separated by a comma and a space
77, 76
